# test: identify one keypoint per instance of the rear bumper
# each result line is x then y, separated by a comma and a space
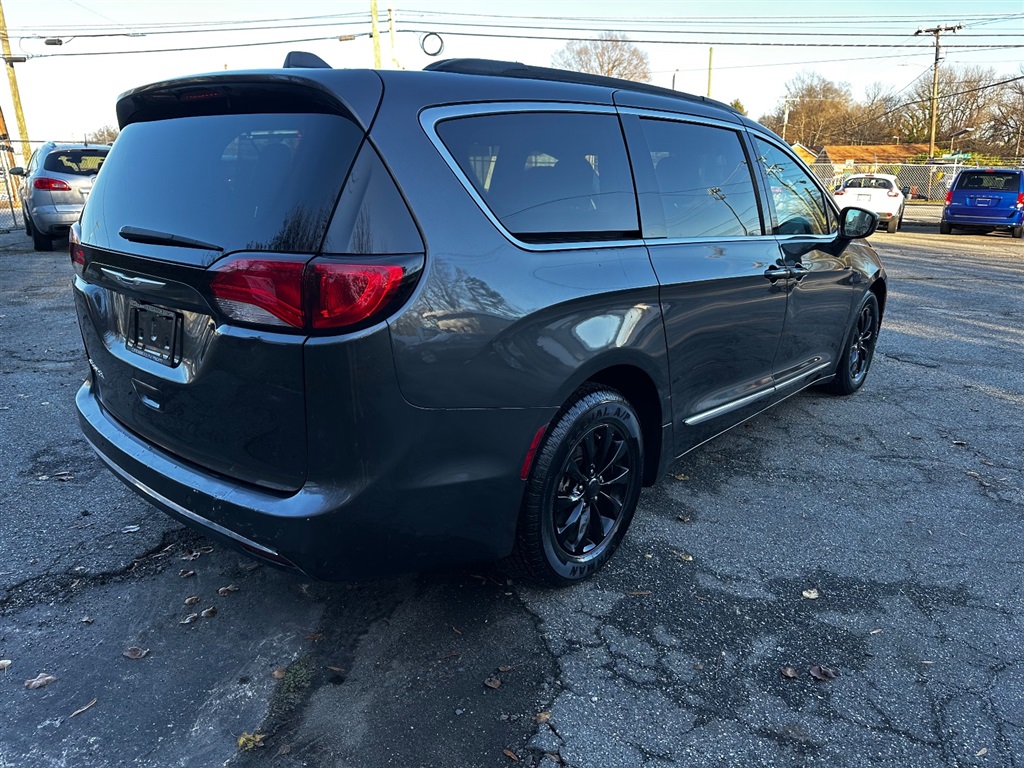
977, 217
50, 220
428, 508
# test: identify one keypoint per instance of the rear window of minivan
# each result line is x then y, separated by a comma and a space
239, 181
993, 181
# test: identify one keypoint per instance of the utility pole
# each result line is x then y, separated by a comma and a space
26, 149
375, 34
711, 52
937, 32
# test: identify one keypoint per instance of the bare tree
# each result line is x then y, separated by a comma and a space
104, 135
612, 55
818, 111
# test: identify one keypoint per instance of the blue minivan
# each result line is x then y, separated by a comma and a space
987, 198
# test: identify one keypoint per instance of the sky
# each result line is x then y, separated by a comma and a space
759, 45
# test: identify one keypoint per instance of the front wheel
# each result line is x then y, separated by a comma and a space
858, 350
582, 490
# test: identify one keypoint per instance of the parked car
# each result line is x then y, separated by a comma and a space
374, 321
985, 198
878, 192
54, 189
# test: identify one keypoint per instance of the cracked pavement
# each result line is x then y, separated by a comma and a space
902, 506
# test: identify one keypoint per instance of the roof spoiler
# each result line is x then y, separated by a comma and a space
303, 60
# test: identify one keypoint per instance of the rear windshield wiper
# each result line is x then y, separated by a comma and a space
152, 237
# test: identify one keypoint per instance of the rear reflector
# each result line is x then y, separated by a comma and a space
53, 185
318, 295
531, 452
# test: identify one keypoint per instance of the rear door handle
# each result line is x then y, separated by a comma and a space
798, 271
777, 273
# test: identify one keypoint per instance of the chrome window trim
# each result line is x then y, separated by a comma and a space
679, 117
429, 118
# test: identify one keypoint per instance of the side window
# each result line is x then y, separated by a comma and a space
705, 180
548, 176
800, 207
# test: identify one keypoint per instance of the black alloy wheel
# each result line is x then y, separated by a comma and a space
859, 349
582, 491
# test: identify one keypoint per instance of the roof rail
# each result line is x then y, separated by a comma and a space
303, 60
495, 68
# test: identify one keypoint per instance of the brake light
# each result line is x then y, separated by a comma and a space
1020, 200
949, 197
53, 185
318, 295
838, 192
76, 249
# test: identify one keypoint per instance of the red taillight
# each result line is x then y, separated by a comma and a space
893, 193
949, 197
1020, 200
76, 249
346, 294
53, 185
318, 295
261, 291
838, 192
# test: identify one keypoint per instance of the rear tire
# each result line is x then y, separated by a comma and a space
892, 225
1017, 232
40, 241
858, 349
28, 222
582, 490
945, 228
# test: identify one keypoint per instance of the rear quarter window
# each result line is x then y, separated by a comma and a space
548, 176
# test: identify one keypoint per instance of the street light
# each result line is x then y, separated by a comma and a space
961, 132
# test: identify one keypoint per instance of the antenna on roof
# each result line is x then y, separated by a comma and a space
303, 60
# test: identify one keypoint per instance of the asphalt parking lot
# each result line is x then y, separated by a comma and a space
877, 537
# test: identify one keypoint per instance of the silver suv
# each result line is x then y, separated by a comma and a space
56, 183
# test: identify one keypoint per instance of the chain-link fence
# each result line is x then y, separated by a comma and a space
926, 182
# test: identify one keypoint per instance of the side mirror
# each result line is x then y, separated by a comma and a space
17, 171
857, 222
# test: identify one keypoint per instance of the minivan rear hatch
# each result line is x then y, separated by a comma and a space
986, 194
208, 172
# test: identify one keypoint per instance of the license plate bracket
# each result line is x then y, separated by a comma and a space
155, 333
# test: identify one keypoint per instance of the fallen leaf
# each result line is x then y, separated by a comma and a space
510, 754
279, 673
875, 632
822, 673
681, 476
80, 710
811, 594
927, 661
249, 741
505, 668
88, 619
190, 618
135, 653
492, 682
698, 666
40, 680
542, 717
972, 473
981, 752
4, 664
686, 557
456, 630
336, 669
131, 529
959, 442
638, 593
227, 590
791, 672
189, 555
205, 550
192, 599
316, 637
63, 476
185, 574
683, 518
284, 750
208, 613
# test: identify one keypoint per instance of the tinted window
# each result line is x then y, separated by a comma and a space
372, 216
80, 162
704, 178
799, 205
256, 182
995, 181
548, 176
868, 184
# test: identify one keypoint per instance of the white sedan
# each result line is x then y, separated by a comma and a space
878, 192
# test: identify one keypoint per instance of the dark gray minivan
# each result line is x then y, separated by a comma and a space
357, 322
